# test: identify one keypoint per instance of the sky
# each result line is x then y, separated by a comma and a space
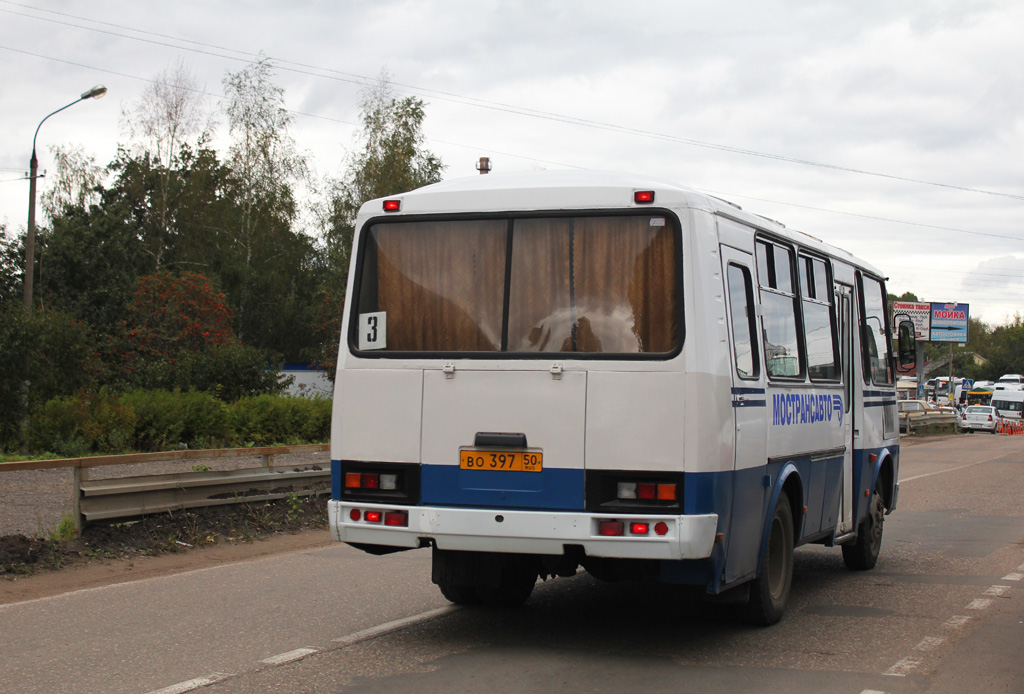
893, 129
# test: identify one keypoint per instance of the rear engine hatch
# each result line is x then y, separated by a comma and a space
465, 464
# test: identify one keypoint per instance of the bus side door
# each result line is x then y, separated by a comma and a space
844, 310
751, 410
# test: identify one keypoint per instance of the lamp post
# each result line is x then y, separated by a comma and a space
30, 235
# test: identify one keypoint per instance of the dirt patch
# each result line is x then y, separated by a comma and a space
916, 439
162, 534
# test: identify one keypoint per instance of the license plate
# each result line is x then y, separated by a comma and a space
516, 461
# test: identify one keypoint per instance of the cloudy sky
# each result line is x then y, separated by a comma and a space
891, 128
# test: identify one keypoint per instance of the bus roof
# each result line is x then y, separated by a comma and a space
584, 190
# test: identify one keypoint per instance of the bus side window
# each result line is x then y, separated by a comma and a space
741, 307
778, 307
819, 320
874, 336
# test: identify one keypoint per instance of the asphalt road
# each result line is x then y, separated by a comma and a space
943, 612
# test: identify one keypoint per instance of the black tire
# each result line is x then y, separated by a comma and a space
460, 595
769, 592
862, 554
516, 586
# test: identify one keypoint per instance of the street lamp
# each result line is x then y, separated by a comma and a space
30, 236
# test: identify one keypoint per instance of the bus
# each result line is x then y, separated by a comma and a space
560, 370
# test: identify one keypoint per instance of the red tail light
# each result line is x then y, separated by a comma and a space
639, 528
392, 205
396, 519
362, 480
611, 528
643, 197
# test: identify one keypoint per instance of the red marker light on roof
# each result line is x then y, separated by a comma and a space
643, 197
392, 205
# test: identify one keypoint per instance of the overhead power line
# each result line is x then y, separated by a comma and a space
363, 80
509, 154
865, 216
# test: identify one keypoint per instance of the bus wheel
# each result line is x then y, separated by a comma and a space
460, 595
514, 589
769, 592
862, 554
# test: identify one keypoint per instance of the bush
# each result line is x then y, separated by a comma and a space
231, 370
206, 421
168, 419
84, 423
263, 420
158, 420
60, 356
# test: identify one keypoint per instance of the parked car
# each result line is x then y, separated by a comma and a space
911, 411
979, 418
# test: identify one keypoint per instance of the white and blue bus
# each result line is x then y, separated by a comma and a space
555, 370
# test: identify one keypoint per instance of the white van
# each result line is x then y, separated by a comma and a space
1010, 382
1009, 403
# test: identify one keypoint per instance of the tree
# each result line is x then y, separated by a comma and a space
177, 334
90, 261
390, 158
11, 267
53, 351
168, 119
1005, 350
266, 276
76, 184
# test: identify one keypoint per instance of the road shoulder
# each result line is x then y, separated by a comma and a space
100, 573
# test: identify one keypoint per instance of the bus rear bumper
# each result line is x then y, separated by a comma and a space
527, 532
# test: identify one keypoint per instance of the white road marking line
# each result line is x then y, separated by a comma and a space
996, 591
902, 668
871, 691
288, 657
394, 626
956, 622
930, 643
952, 469
189, 685
1012, 577
979, 604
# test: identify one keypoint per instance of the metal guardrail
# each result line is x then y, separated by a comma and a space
125, 497
927, 420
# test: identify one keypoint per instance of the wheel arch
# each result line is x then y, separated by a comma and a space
884, 478
791, 484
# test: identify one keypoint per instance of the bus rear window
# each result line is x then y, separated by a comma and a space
587, 285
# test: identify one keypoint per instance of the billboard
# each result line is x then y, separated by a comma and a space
919, 312
949, 323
